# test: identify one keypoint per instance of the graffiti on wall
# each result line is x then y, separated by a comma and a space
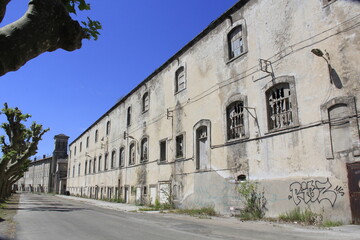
314, 191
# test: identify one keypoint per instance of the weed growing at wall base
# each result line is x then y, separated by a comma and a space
254, 202
306, 216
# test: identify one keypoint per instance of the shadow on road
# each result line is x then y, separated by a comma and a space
49, 209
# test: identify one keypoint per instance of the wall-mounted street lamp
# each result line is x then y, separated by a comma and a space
319, 53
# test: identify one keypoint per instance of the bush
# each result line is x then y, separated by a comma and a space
254, 202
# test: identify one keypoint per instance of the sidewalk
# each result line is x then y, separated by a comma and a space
353, 230
104, 204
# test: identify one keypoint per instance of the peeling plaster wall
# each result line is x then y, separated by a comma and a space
282, 32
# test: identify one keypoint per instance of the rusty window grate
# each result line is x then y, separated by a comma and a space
235, 119
280, 109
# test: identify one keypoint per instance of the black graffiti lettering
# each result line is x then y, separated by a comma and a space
314, 191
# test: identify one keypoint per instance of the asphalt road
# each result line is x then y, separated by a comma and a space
53, 218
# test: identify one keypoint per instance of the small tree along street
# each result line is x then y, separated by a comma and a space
46, 26
19, 144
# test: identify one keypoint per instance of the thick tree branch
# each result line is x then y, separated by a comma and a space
46, 26
3, 4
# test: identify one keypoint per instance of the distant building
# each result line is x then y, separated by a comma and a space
49, 173
268, 92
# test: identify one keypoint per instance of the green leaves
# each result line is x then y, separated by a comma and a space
90, 27
72, 5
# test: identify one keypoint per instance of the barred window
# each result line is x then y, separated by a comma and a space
280, 106
235, 120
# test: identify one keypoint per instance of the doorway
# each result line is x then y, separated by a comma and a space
354, 190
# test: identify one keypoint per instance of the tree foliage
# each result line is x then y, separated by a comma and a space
46, 26
19, 144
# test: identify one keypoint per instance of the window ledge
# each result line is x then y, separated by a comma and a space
238, 139
281, 129
234, 58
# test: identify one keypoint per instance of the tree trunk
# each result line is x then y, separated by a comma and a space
46, 26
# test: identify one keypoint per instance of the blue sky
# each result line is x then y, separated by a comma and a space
68, 91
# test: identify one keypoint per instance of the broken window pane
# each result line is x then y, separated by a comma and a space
180, 146
280, 106
235, 120
236, 42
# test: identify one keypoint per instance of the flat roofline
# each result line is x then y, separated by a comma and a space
202, 34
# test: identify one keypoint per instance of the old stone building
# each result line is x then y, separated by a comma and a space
268, 92
49, 173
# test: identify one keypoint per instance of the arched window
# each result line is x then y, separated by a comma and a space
94, 167
108, 124
280, 107
144, 150
121, 157
90, 166
99, 164
145, 102
106, 162
85, 167
281, 103
180, 82
96, 135
113, 156
235, 120
235, 41
128, 119
132, 154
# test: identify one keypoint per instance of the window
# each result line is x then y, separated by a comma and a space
108, 128
145, 190
128, 119
74, 171
121, 157
94, 167
87, 142
75, 151
179, 141
80, 146
145, 102
144, 150
235, 120
105, 162
79, 169
85, 167
90, 166
99, 164
132, 154
235, 41
113, 156
341, 134
281, 104
180, 79
96, 135
163, 151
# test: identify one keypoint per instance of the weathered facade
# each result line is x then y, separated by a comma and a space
49, 173
268, 92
